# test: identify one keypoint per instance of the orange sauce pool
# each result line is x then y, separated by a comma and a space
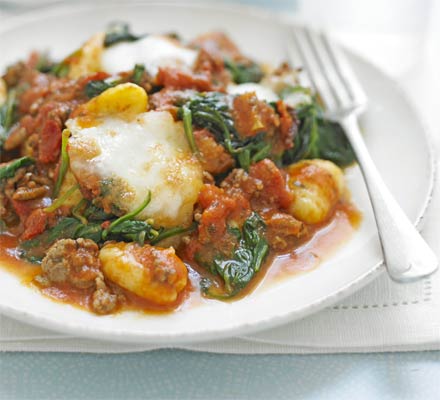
322, 244
324, 240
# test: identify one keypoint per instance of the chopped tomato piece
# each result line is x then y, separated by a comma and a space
275, 190
177, 79
50, 142
35, 224
253, 116
219, 209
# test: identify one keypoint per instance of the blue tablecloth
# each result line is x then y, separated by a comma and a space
168, 374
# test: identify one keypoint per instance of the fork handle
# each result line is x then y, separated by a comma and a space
407, 256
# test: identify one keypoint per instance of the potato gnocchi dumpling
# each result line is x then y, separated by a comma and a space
153, 273
317, 185
125, 100
3, 92
87, 59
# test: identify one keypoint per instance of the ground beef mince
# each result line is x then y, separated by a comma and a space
103, 301
213, 156
73, 261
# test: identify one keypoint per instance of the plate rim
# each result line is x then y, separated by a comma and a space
270, 322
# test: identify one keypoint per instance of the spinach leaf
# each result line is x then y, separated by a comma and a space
165, 233
60, 70
211, 111
134, 231
137, 74
244, 72
7, 115
121, 229
187, 127
96, 87
127, 217
35, 249
143, 231
44, 64
306, 140
118, 32
333, 144
77, 211
38, 246
245, 261
8, 170
64, 162
72, 228
65, 229
94, 213
319, 138
92, 231
57, 203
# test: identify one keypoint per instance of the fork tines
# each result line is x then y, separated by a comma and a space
329, 72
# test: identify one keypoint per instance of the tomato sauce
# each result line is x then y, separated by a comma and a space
322, 241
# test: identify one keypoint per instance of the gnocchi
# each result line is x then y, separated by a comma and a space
125, 101
317, 185
87, 59
153, 273
3, 92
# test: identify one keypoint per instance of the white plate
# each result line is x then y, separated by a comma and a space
394, 135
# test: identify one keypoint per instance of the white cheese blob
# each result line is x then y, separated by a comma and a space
262, 92
130, 157
298, 98
153, 51
266, 93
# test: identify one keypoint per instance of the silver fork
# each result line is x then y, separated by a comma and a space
406, 254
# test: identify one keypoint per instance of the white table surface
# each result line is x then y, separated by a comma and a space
406, 43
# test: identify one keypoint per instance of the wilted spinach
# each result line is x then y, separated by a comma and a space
245, 262
44, 64
127, 217
62, 68
118, 32
138, 72
95, 87
7, 115
244, 72
93, 213
211, 111
88, 223
319, 138
34, 249
64, 162
8, 170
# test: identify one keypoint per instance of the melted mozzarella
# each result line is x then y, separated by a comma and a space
130, 157
262, 92
152, 51
298, 98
